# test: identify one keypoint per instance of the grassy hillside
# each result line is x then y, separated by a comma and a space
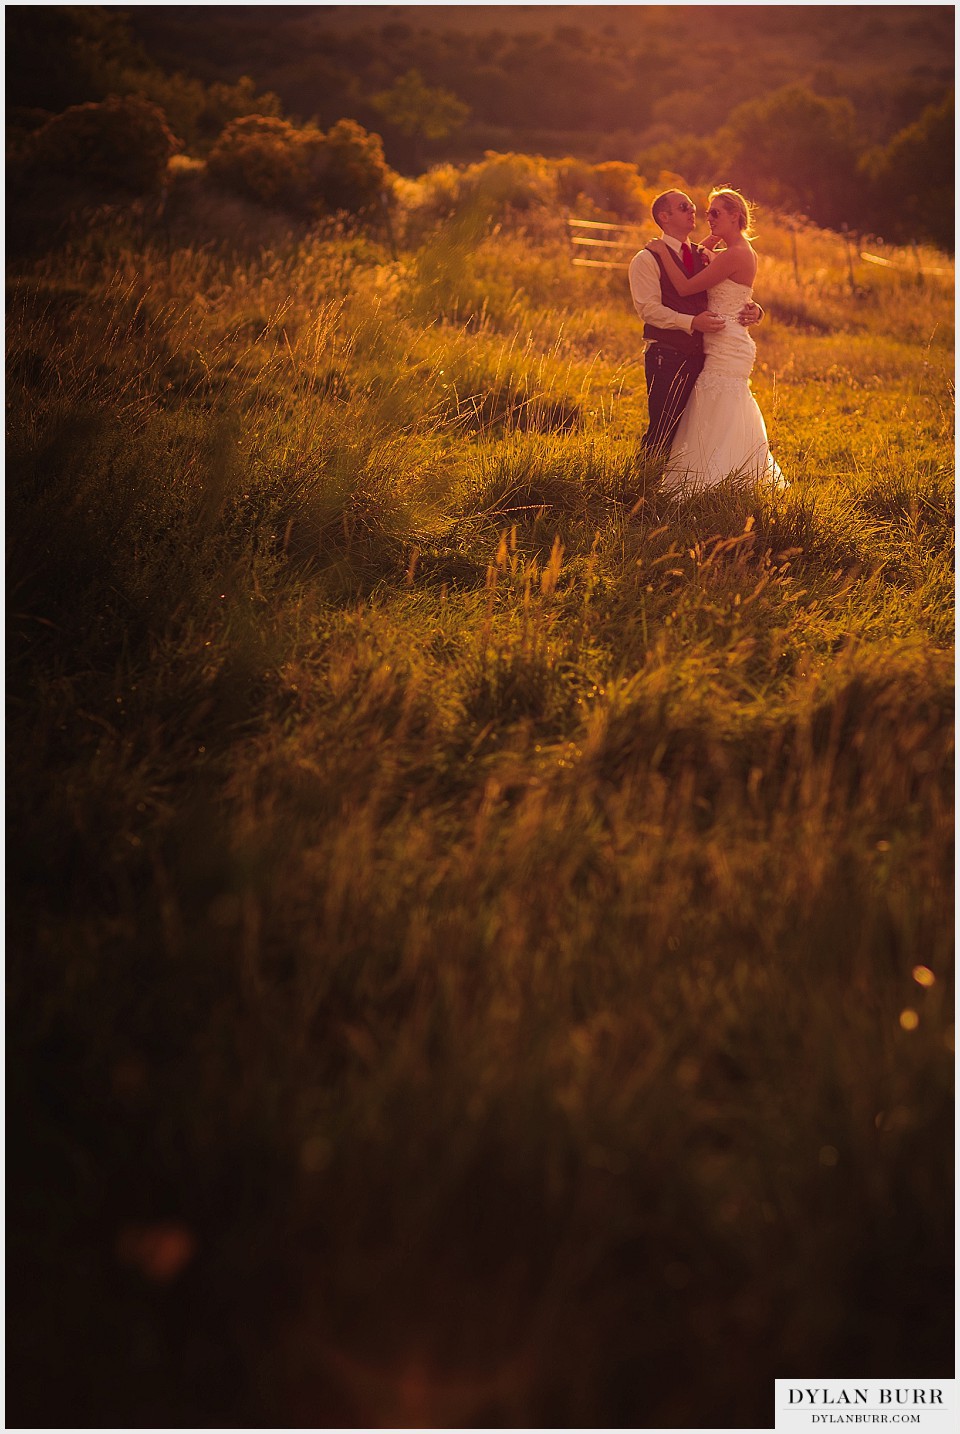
480, 935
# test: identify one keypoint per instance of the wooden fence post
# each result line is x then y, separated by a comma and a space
846, 240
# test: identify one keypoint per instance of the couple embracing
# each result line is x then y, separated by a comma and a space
696, 302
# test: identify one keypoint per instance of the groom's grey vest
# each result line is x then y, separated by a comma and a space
693, 304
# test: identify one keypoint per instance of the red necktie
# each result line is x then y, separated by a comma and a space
686, 254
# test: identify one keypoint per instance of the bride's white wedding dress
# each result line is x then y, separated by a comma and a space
722, 433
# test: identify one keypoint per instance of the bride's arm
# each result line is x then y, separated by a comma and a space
720, 268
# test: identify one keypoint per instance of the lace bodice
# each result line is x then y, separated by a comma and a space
730, 352
728, 297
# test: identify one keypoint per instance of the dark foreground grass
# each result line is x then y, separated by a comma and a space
480, 936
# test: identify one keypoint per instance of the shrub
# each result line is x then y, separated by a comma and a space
268, 159
302, 170
573, 179
118, 141
496, 187
433, 197
698, 158
197, 112
612, 188
501, 183
353, 172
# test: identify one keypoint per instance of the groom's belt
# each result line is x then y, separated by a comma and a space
675, 339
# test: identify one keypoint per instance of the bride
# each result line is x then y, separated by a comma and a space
721, 433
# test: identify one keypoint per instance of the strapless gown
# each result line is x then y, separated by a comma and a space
722, 434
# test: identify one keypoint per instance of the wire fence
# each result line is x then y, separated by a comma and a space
635, 236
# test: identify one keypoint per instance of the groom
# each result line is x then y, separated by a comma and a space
673, 325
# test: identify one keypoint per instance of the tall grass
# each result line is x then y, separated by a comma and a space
481, 939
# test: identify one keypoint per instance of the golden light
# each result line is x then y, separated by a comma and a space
909, 1020
924, 976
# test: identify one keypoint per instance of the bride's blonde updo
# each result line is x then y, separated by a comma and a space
734, 203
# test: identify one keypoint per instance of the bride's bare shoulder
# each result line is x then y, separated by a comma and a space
748, 264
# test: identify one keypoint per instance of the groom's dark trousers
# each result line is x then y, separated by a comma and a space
671, 376
673, 360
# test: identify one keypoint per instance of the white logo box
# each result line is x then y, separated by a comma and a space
810, 1405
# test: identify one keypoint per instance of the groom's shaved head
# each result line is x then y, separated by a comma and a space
663, 204
675, 213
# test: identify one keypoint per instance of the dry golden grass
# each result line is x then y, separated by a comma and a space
481, 939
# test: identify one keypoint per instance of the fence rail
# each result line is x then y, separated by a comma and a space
596, 224
626, 245
628, 249
600, 243
892, 264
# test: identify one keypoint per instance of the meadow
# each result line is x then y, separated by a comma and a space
480, 934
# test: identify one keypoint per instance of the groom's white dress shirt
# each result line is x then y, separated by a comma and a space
645, 290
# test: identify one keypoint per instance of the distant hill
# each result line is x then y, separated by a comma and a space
604, 81
822, 110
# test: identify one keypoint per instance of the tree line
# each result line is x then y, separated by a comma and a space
865, 141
